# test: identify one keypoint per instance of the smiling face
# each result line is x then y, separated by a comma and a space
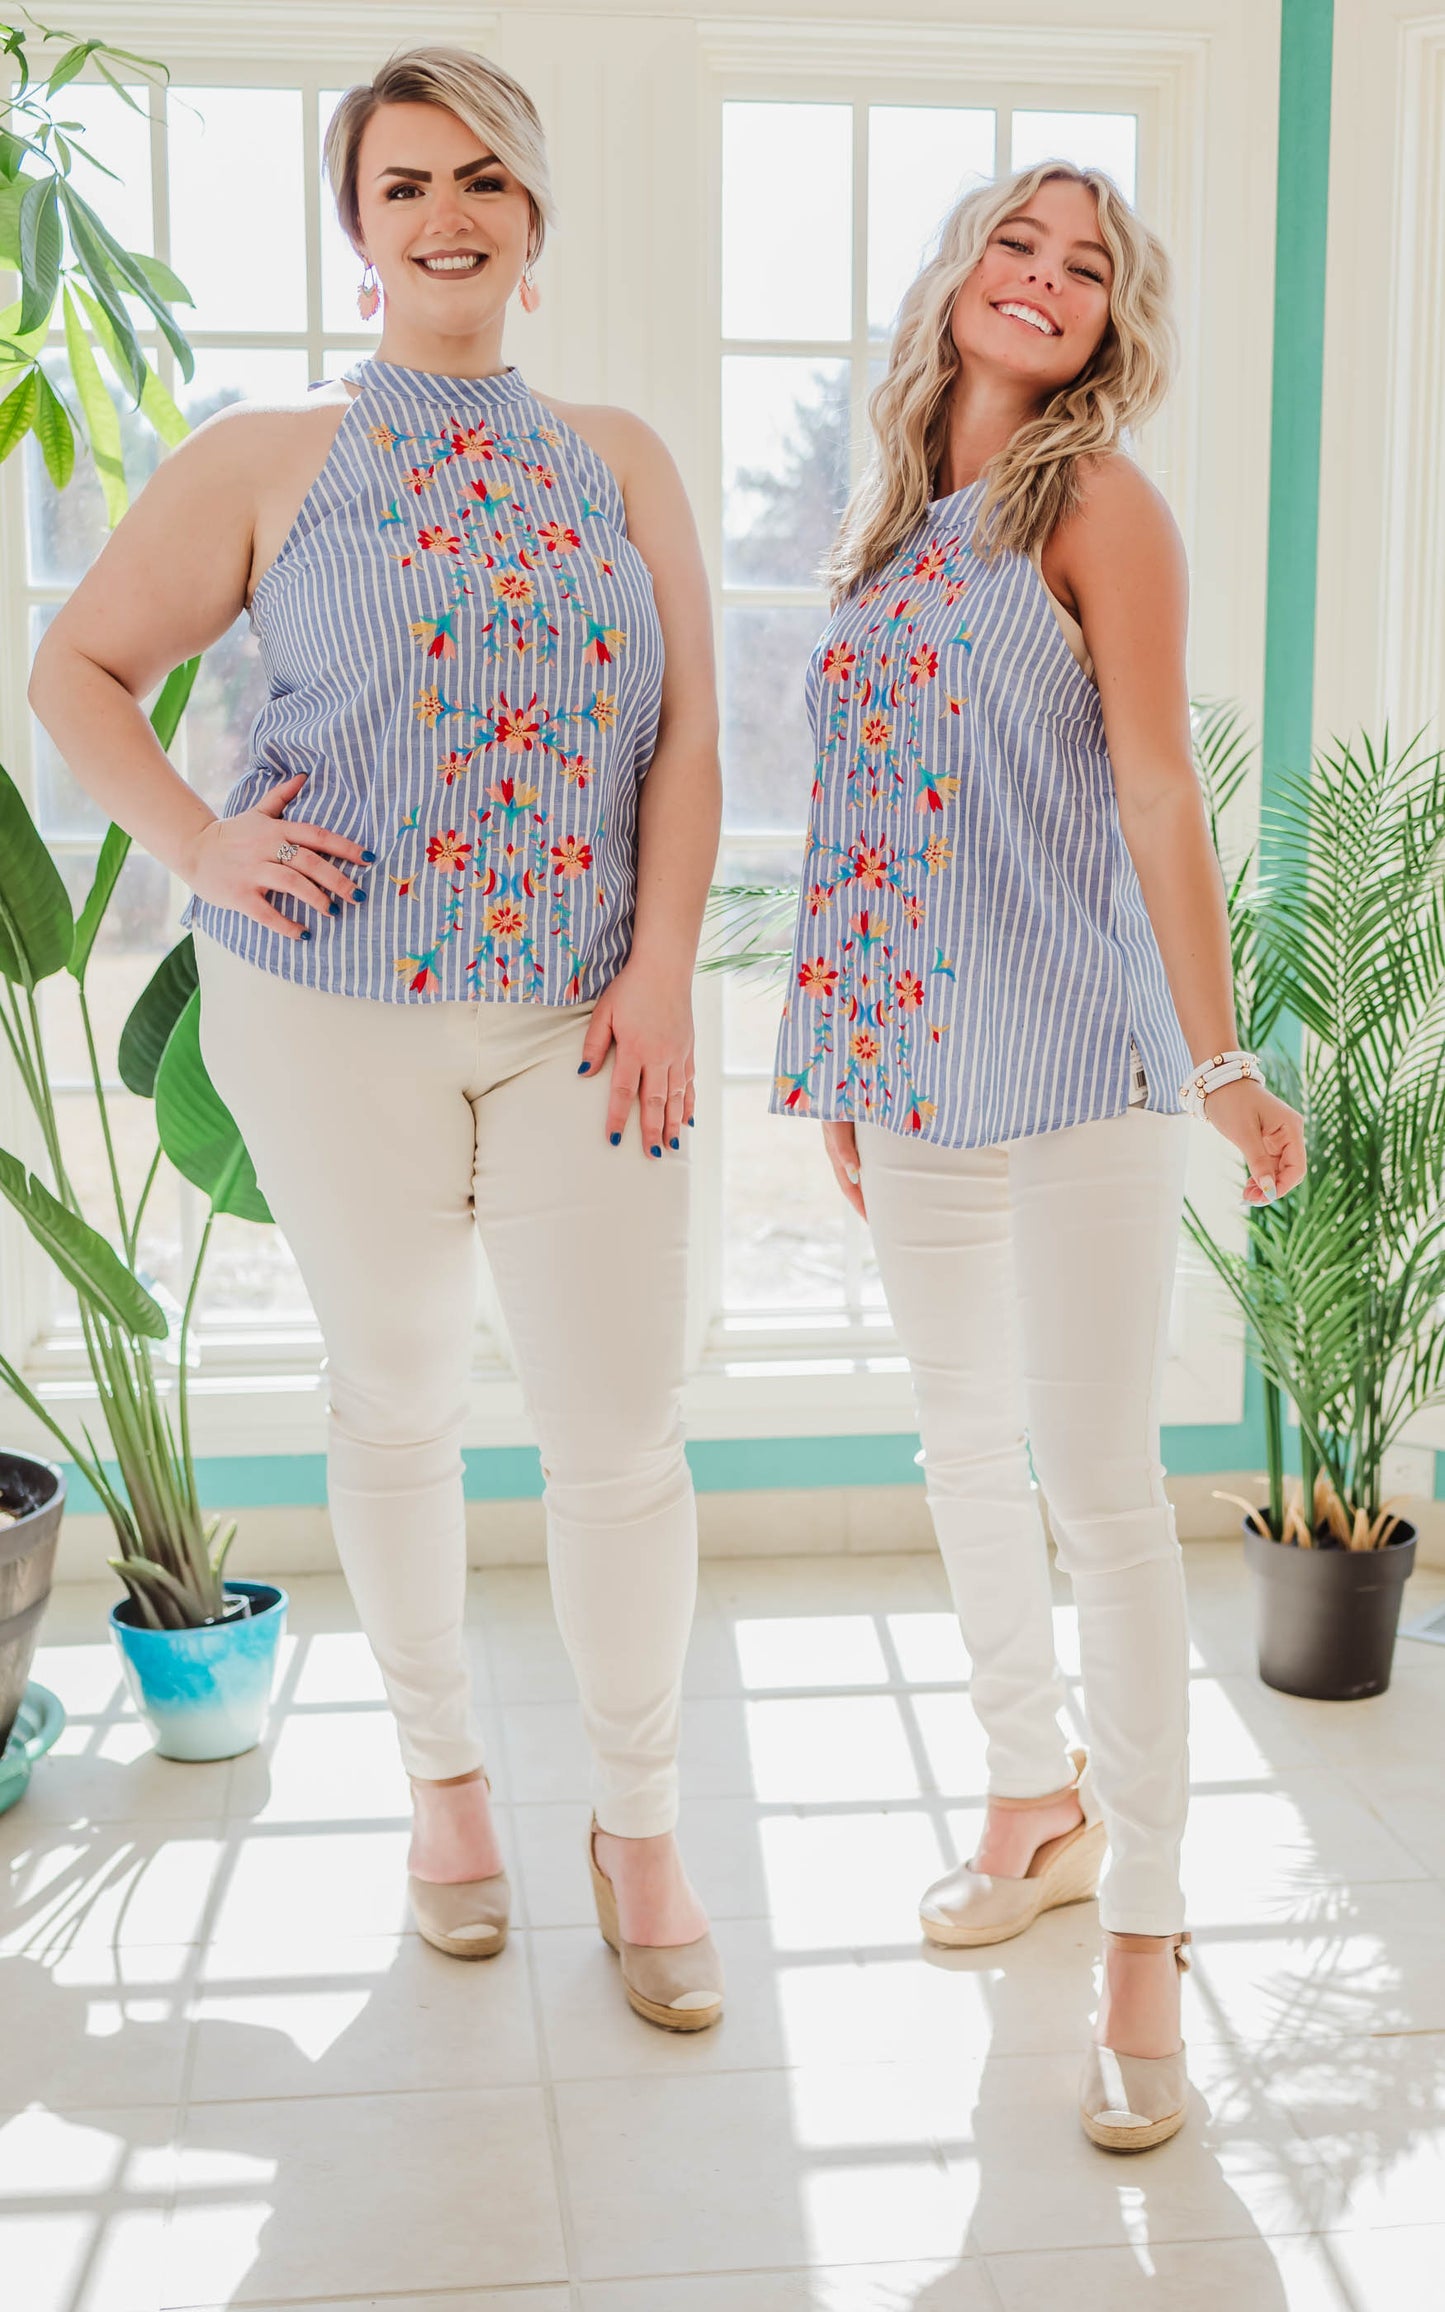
1036, 305
443, 221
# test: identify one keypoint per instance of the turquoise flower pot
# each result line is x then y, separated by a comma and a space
204, 1692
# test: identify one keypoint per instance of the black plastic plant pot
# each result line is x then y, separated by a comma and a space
34, 1494
1326, 1617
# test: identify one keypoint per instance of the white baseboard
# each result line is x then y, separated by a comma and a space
825, 1521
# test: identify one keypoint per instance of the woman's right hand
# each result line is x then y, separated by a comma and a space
233, 862
841, 1142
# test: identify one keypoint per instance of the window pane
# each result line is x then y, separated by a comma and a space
785, 466
238, 236
767, 750
226, 374
783, 1216
1091, 140
133, 1135
230, 691
787, 189
921, 160
341, 268
120, 139
250, 1273
139, 925
65, 529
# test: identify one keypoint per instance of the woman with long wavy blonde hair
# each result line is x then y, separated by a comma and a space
1010, 984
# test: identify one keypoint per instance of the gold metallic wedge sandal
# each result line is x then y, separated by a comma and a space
1128, 2102
678, 1986
466, 1918
970, 1907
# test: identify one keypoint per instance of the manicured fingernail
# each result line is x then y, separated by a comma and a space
359, 894
586, 1064
1269, 1191
615, 1138
305, 935
674, 1143
851, 1175
369, 857
654, 1151
692, 1119
334, 908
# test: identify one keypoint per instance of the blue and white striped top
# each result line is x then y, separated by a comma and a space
462, 648
973, 958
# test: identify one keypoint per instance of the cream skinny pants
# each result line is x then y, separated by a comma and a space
386, 1137
1030, 1286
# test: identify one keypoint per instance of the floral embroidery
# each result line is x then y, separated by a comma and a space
519, 886
878, 698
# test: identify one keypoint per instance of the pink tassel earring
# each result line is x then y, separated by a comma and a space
531, 294
368, 296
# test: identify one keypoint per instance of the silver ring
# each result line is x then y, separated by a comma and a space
286, 852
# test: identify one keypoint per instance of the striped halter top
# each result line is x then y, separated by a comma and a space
973, 956
462, 649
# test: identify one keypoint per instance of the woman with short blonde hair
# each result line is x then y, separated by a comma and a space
445, 929
1011, 973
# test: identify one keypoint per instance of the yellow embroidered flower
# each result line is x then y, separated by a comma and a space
384, 439
428, 706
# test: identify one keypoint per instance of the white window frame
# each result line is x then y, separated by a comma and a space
264, 1394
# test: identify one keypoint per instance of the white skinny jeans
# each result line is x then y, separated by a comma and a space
1030, 1286
384, 1135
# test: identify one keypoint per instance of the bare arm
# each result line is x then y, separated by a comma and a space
647, 1011
1121, 558
167, 584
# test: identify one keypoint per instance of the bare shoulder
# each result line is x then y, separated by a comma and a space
633, 449
250, 440
1118, 505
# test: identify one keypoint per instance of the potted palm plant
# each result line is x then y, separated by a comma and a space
199, 1650
1342, 1285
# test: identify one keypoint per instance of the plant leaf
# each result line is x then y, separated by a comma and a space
83, 1257
99, 411
16, 412
53, 431
37, 931
197, 1129
121, 265
155, 403
96, 267
73, 61
165, 283
146, 1033
40, 244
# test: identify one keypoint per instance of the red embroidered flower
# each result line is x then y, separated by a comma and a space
877, 731
448, 851
571, 857
451, 766
908, 988
438, 541
420, 478
912, 911
558, 538
819, 897
931, 563
923, 665
839, 660
505, 920
817, 978
869, 864
475, 441
576, 770
864, 1047
518, 726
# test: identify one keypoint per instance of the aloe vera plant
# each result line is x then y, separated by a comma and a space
76, 276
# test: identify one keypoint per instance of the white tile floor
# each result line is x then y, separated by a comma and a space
230, 2075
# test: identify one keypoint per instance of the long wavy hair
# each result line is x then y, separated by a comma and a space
1033, 479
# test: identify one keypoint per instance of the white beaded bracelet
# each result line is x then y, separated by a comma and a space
1210, 1075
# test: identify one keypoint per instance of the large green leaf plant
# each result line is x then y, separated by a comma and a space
172, 1555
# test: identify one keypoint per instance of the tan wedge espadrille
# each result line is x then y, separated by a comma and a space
466, 1918
970, 1907
1128, 2102
678, 1986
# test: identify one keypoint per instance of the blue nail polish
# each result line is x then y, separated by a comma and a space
361, 895
616, 1139
369, 857
674, 1143
656, 1151
692, 1119
585, 1067
334, 908
305, 935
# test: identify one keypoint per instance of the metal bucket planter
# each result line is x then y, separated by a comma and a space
34, 1494
1326, 1617
204, 1692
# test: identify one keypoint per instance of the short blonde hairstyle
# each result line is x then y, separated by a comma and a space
490, 103
1033, 479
